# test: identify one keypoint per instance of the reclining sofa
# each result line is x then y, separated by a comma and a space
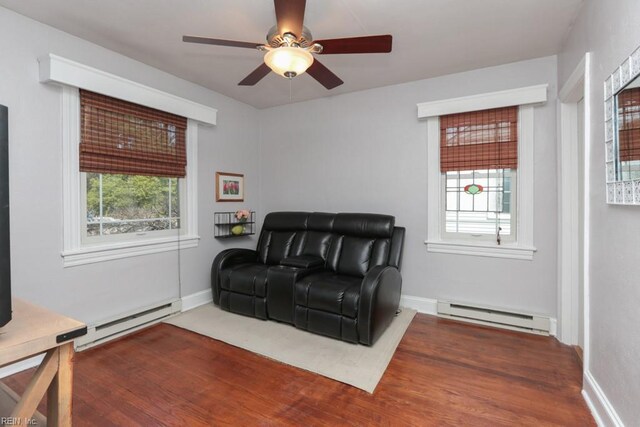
331, 274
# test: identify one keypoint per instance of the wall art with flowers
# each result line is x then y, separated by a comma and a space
229, 187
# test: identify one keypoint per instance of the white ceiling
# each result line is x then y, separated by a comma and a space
430, 37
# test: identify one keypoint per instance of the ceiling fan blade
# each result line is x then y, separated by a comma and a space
323, 75
219, 42
290, 16
256, 75
366, 44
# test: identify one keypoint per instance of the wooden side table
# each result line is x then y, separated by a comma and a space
32, 331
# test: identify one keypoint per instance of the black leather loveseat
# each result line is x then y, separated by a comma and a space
332, 274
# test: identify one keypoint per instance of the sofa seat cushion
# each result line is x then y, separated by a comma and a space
329, 292
248, 279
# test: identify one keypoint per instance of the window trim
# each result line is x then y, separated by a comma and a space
74, 251
525, 98
65, 72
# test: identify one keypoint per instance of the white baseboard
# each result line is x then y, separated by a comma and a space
603, 412
22, 365
553, 326
188, 302
196, 300
420, 304
430, 306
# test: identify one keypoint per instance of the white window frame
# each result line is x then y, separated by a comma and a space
76, 252
71, 76
525, 98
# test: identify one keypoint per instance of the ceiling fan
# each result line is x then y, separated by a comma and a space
290, 45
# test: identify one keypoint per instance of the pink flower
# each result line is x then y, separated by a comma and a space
242, 214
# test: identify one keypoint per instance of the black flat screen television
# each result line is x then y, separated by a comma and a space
5, 259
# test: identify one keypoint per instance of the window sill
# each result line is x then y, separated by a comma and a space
111, 251
511, 251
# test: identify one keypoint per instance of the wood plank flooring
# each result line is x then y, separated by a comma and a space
443, 373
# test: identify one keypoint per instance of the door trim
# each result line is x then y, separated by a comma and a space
575, 89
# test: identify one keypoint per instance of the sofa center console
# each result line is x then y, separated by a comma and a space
303, 261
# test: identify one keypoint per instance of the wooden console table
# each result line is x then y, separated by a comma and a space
32, 331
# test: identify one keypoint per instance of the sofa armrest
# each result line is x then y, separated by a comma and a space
224, 260
379, 301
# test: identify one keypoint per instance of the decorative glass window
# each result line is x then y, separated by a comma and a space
480, 203
475, 149
478, 161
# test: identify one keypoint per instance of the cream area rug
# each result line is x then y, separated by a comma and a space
357, 365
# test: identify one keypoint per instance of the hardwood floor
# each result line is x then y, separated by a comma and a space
443, 373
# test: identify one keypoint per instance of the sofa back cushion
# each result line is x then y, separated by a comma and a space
365, 242
316, 243
355, 256
285, 221
380, 252
275, 246
333, 256
364, 225
351, 243
278, 233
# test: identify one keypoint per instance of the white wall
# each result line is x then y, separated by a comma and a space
610, 30
96, 291
366, 152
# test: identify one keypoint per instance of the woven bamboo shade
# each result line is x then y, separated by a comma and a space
485, 139
120, 137
629, 124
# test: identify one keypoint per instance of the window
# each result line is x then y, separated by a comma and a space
478, 163
130, 179
116, 205
133, 161
480, 173
480, 203
69, 76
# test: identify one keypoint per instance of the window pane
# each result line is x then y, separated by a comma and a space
451, 224
118, 204
481, 202
484, 202
452, 195
466, 201
452, 201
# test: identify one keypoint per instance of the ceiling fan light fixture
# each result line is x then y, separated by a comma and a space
288, 61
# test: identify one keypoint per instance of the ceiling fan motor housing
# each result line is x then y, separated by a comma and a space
275, 39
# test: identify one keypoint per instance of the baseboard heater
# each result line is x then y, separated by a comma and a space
496, 317
126, 323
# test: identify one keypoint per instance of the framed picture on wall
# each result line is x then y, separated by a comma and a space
229, 187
